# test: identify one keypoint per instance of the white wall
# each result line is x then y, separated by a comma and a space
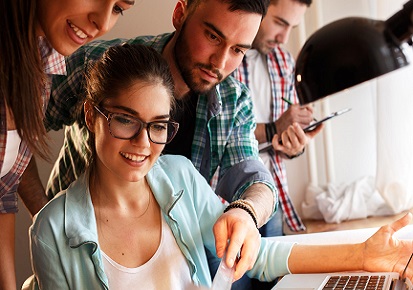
352, 134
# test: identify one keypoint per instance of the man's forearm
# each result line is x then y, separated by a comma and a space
31, 189
260, 133
262, 199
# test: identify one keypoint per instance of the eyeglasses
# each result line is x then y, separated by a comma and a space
126, 127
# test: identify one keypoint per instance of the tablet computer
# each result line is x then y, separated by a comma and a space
267, 145
312, 126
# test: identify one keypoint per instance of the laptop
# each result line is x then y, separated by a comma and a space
344, 280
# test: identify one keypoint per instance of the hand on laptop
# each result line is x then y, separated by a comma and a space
383, 252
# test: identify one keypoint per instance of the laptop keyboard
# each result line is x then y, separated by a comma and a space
370, 282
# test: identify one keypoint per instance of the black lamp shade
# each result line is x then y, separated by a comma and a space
345, 53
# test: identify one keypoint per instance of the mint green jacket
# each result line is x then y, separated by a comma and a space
64, 242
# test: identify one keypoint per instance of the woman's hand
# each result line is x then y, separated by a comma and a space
383, 252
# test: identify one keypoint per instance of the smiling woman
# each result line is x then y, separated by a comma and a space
34, 37
73, 23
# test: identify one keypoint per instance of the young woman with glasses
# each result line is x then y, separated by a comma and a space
139, 219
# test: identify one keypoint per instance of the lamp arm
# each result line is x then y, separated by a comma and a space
400, 25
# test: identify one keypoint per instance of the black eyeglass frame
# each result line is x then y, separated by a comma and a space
109, 115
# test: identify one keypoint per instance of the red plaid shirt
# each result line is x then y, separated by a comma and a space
280, 65
54, 64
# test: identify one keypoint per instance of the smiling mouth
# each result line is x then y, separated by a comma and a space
79, 33
132, 157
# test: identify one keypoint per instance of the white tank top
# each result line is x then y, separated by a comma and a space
167, 269
12, 150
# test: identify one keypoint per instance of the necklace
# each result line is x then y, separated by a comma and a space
98, 198
147, 207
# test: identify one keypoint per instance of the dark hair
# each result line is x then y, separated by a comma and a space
21, 72
119, 67
306, 2
253, 6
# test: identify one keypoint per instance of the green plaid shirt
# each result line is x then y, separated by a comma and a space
225, 125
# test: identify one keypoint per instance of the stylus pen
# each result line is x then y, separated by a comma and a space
288, 101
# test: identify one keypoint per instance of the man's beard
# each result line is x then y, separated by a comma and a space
262, 44
183, 63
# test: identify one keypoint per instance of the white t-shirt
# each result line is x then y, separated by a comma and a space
167, 269
259, 85
12, 150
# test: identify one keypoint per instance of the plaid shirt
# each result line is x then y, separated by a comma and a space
54, 64
224, 123
281, 72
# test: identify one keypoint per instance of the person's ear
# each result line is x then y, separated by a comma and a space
179, 14
89, 115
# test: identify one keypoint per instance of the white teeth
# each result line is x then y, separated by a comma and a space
78, 32
133, 157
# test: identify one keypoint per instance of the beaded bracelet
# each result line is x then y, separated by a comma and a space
248, 204
242, 204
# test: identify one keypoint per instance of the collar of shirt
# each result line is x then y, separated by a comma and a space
53, 61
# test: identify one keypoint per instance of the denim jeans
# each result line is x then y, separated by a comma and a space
274, 227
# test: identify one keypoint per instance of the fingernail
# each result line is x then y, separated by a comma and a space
231, 262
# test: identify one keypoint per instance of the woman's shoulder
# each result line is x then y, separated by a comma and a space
173, 161
55, 204
175, 168
55, 211
52, 212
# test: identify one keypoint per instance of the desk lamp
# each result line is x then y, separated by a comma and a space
350, 51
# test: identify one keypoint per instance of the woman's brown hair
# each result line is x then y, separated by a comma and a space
21, 72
